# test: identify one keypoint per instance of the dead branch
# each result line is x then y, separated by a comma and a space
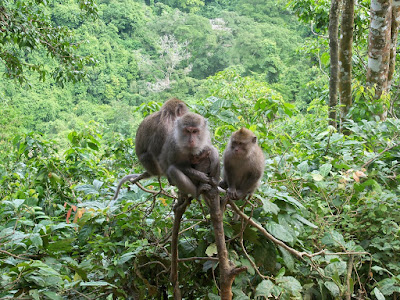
266, 233
190, 227
13, 255
380, 154
179, 210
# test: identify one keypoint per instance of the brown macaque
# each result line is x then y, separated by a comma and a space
243, 164
188, 159
153, 132
150, 138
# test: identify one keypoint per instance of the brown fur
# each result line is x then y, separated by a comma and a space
153, 132
188, 158
243, 164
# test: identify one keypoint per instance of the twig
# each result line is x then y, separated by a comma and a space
349, 271
190, 227
13, 255
298, 254
317, 34
197, 258
161, 192
380, 154
154, 262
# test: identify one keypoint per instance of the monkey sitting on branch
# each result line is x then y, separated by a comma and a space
188, 159
243, 165
150, 138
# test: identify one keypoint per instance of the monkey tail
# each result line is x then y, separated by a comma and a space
133, 178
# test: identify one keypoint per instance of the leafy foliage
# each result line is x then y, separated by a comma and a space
28, 30
62, 236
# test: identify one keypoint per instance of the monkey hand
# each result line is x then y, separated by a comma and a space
214, 181
203, 177
204, 187
232, 193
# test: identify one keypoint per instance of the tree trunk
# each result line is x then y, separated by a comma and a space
379, 42
227, 270
334, 60
393, 40
345, 57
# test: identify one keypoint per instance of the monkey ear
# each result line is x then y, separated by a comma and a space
179, 110
254, 140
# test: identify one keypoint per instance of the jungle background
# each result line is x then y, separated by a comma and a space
75, 89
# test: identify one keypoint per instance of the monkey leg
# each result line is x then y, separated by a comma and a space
150, 163
181, 181
232, 193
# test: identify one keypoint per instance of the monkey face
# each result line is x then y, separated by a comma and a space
239, 148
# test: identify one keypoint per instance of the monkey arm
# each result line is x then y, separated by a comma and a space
195, 175
215, 168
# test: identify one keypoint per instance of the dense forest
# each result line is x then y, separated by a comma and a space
316, 81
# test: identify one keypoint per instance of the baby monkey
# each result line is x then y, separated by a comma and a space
243, 164
207, 162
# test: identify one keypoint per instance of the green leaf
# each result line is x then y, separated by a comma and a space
325, 169
93, 146
52, 295
87, 189
239, 295
305, 221
388, 286
289, 199
125, 257
34, 294
378, 294
268, 206
317, 176
97, 283
97, 184
280, 232
17, 202
336, 268
287, 258
213, 296
332, 288
333, 238
325, 57
303, 167
289, 283
36, 240
264, 289
211, 250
